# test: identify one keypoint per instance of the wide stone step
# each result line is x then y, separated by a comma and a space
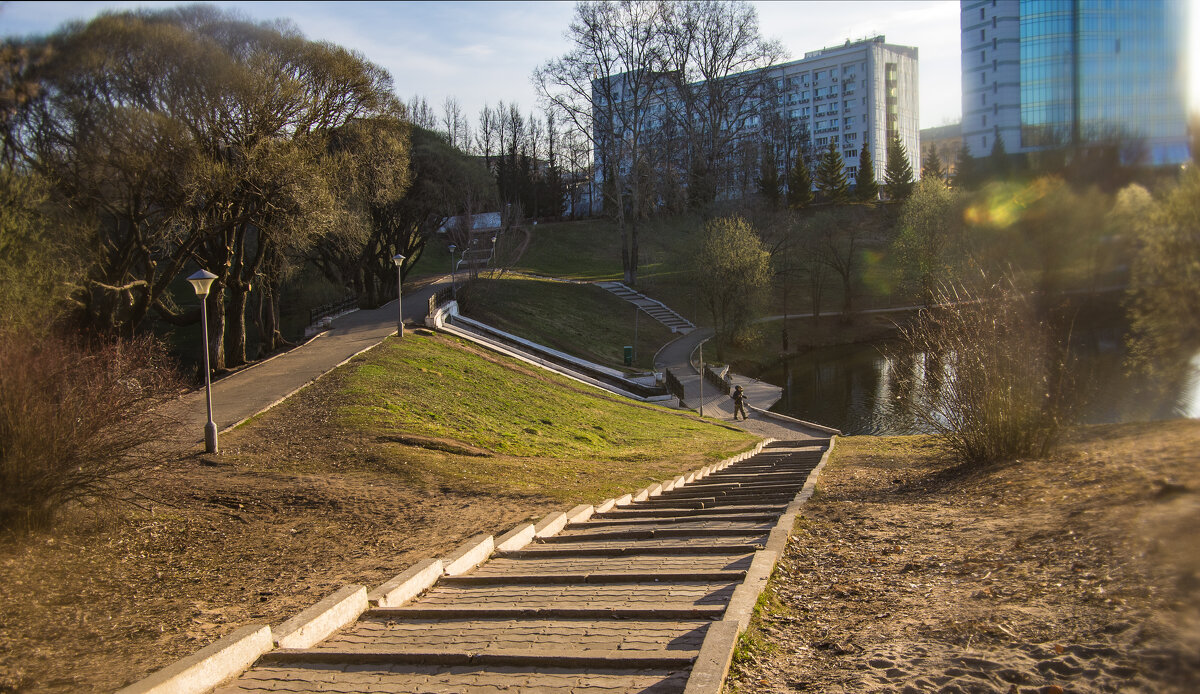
661, 547
616, 522
498, 657
590, 596
670, 563
478, 635
589, 577
680, 612
424, 679
691, 511
749, 530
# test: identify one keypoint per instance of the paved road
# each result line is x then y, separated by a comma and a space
245, 393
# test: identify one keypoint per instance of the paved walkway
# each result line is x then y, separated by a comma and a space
676, 356
623, 601
247, 392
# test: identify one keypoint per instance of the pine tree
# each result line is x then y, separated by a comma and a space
899, 174
866, 188
932, 166
965, 168
770, 184
998, 161
831, 176
799, 193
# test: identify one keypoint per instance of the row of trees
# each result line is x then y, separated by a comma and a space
145, 144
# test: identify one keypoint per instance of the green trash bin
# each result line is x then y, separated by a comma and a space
628, 355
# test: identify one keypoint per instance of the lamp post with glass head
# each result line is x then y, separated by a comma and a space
493, 251
399, 261
201, 281
453, 289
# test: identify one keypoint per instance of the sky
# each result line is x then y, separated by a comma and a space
483, 52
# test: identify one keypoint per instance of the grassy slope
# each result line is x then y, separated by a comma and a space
579, 319
485, 423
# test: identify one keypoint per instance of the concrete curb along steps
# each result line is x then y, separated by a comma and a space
230, 656
716, 655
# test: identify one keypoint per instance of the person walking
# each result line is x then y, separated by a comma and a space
739, 403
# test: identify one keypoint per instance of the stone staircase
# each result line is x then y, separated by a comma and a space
653, 307
627, 600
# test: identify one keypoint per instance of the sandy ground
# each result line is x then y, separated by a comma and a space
1080, 573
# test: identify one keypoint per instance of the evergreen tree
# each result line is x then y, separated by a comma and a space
866, 188
998, 161
799, 193
831, 176
932, 166
899, 174
770, 184
965, 170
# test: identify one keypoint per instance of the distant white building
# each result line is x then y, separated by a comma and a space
860, 93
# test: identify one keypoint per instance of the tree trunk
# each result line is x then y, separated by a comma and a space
216, 323
237, 327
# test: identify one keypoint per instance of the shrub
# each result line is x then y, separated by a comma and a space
996, 380
74, 422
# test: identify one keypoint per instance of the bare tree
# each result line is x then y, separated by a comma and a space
714, 56
485, 137
454, 124
604, 87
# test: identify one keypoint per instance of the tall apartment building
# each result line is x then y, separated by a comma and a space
861, 92
1052, 73
858, 93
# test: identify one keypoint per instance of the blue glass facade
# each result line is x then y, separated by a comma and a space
1104, 70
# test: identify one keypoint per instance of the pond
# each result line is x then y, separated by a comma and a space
844, 386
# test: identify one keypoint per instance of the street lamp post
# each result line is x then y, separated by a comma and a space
493, 251
453, 289
201, 281
399, 261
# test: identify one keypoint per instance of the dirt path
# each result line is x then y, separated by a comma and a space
1075, 574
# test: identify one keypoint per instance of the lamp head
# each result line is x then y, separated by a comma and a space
398, 259
201, 281
452, 247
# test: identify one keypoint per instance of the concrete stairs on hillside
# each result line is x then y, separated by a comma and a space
620, 602
652, 307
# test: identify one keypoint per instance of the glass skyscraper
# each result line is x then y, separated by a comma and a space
1053, 73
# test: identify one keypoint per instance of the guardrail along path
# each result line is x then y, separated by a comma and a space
618, 603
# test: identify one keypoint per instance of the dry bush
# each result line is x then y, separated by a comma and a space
996, 382
72, 419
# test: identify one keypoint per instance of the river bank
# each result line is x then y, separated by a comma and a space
1074, 573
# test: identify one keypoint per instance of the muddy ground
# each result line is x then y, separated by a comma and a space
1080, 573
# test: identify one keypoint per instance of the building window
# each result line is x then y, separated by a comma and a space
983, 99
981, 13
982, 78
982, 35
984, 148
982, 57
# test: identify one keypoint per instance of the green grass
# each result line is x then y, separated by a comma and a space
538, 432
579, 319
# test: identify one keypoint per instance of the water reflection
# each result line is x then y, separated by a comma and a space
846, 386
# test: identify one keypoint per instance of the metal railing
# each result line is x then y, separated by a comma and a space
332, 308
716, 378
439, 297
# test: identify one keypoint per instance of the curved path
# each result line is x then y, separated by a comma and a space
245, 393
